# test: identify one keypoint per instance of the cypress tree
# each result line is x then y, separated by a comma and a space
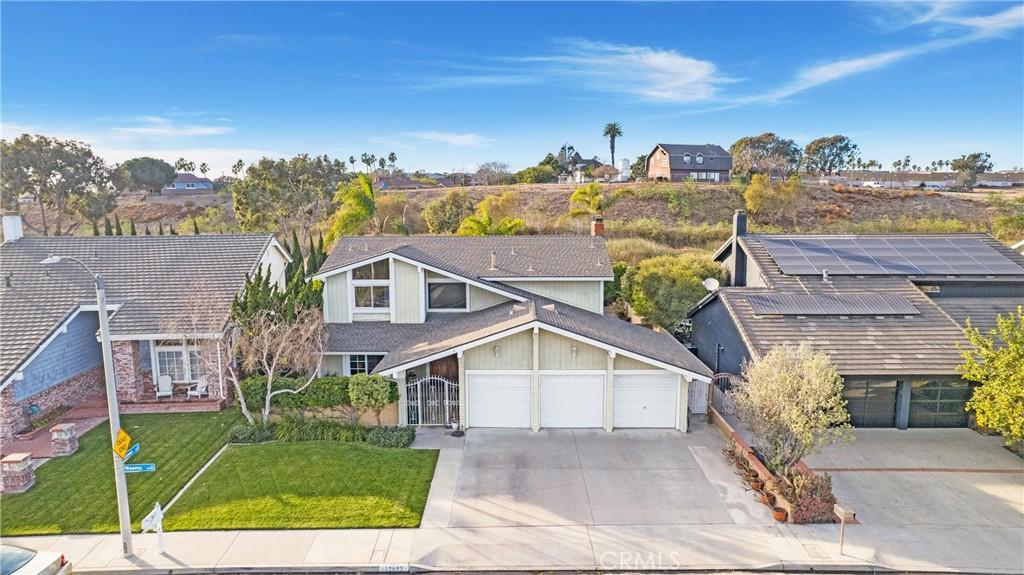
148, 233
131, 228
95, 229
160, 230
172, 230
195, 227
117, 227
107, 229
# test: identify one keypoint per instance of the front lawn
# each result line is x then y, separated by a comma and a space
314, 484
76, 494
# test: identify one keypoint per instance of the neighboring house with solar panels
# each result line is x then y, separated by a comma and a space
49, 352
500, 331
888, 309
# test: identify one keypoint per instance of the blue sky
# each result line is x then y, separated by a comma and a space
447, 86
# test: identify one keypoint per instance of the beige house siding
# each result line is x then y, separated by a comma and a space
333, 365
336, 298
556, 353
407, 293
514, 354
480, 298
372, 317
588, 295
624, 363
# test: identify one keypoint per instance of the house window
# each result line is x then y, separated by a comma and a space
363, 363
686, 158
181, 363
700, 158
371, 285
446, 296
702, 175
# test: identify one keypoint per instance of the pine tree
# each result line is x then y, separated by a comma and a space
195, 227
95, 229
311, 257
160, 230
107, 229
131, 228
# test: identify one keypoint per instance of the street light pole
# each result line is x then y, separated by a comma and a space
123, 516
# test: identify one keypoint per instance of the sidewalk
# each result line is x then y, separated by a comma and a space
677, 547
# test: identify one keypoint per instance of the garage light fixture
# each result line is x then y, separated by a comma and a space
497, 351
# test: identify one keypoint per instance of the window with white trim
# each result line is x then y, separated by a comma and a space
371, 287
362, 363
686, 158
447, 295
700, 158
171, 360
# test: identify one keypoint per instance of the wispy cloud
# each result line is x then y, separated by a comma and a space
970, 29
164, 127
454, 139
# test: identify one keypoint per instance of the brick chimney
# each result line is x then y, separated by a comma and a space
597, 226
12, 227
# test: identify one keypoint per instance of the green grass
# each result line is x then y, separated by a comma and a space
306, 485
76, 494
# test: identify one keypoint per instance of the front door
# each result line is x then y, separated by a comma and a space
446, 367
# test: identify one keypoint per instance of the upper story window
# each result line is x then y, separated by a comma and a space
446, 296
700, 158
371, 286
686, 158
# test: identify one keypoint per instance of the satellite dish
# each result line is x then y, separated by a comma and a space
710, 284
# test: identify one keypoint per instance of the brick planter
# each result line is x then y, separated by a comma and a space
17, 473
63, 439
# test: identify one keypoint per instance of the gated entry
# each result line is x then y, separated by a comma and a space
432, 401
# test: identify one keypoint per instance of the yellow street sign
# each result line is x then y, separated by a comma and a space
124, 441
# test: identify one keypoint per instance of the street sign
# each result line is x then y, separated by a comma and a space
124, 441
131, 451
139, 467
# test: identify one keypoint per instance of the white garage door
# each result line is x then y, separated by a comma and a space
571, 400
645, 400
499, 400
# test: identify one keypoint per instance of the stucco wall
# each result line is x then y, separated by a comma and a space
67, 355
588, 295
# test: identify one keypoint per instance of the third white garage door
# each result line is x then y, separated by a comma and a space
645, 399
499, 399
571, 399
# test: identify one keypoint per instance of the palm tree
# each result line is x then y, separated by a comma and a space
368, 160
612, 130
392, 159
482, 224
591, 200
358, 211
352, 161
203, 168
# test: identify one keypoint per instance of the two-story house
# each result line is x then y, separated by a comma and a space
681, 162
500, 332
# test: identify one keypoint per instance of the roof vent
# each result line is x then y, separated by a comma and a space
824, 276
529, 268
516, 308
550, 307
599, 264
7, 280
350, 247
494, 260
366, 247
512, 252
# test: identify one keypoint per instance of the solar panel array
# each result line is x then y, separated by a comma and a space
830, 304
892, 255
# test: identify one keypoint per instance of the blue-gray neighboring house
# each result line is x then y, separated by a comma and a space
50, 356
188, 184
888, 309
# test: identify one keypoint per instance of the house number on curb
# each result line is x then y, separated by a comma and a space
394, 568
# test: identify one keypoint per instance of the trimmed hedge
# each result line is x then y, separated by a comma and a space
245, 433
391, 436
325, 392
298, 428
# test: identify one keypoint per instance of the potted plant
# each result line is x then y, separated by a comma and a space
767, 498
778, 514
757, 484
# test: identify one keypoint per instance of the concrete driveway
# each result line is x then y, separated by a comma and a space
591, 477
934, 477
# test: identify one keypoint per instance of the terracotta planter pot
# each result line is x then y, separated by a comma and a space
757, 485
778, 514
767, 498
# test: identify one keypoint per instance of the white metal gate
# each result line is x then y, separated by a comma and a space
432, 401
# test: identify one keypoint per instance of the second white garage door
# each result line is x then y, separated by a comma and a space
499, 400
571, 400
645, 400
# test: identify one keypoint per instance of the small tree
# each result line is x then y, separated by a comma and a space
791, 401
666, 287
372, 392
593, 200
482, 223
969, 166
771, 200
996, 362
444, 215
358, 211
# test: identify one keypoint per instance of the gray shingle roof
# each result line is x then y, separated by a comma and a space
150, 277
715, 157
517, 256
982, 311
925, 343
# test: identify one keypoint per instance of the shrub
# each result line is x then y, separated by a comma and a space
250, 434
394, 437
666, 287
299, 428
372, 392
810, 495
536, 175
444, 215
323, 392
632, 250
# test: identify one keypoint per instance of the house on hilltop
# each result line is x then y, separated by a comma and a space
185, 183
681, 162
